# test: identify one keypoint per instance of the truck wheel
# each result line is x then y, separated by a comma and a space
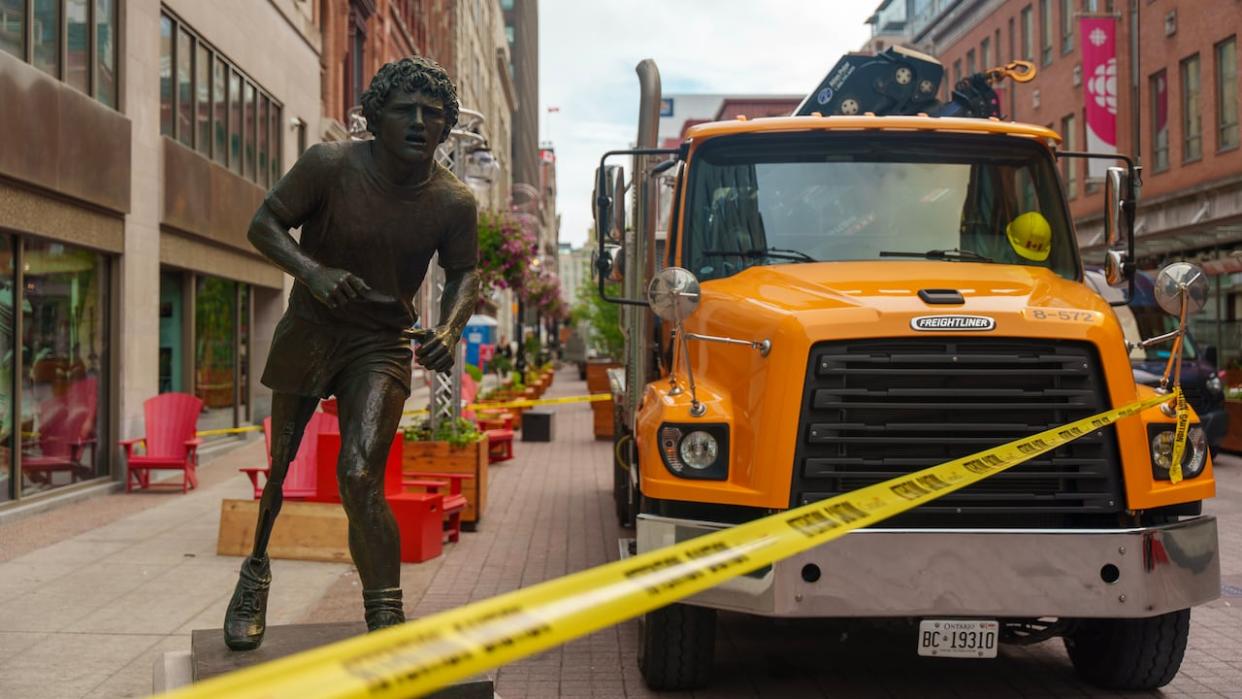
677, 646
1130, 654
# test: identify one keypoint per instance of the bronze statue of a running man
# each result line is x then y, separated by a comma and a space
372, 214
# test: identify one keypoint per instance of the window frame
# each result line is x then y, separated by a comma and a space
1026, 33
1046, 41
1156, 164
1068, 30
1187, 100
1219, 98
221, 106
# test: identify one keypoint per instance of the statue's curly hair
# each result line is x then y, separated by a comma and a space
411, 73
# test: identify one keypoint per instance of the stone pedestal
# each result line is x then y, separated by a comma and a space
209, 656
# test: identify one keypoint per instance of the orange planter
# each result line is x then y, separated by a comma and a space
445, 458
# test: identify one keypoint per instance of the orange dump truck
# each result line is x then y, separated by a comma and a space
878, 294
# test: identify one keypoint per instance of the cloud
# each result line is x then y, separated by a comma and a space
588, 50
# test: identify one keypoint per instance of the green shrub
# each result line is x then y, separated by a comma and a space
459, 433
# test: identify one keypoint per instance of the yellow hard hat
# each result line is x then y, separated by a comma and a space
1030, 235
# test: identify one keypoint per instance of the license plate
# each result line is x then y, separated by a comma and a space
958, 638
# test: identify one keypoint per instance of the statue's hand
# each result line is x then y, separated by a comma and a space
436, 354
335, 287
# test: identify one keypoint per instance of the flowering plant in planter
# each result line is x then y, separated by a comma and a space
507, 249
543, 291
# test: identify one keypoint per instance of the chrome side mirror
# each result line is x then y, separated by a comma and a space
673, 295
1115, 268
1181, 290
1116, 183
608, 202
1114, 187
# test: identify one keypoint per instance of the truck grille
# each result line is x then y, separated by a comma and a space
875, 410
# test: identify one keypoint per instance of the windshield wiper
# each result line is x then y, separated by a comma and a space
954, 254
778, 253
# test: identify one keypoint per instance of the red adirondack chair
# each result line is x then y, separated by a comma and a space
301, 479
66, 433
171, 420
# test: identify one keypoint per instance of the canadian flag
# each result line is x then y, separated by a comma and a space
1099, 68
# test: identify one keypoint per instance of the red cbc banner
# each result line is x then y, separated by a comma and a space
1099, 68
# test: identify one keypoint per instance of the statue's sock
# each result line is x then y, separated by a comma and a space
383, 607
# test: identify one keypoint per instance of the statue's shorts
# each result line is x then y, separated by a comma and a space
310, 359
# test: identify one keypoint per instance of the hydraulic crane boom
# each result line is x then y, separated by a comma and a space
901, 81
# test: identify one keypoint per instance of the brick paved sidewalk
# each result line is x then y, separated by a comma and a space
88, 615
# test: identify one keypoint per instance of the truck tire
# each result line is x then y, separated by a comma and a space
1129, 654
677, 647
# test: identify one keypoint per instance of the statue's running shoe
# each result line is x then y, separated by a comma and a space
246, 618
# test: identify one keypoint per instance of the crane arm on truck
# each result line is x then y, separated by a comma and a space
900, 81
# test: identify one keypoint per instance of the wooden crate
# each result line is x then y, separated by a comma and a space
445, 458
305, 531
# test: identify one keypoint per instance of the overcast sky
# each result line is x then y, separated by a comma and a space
588, 50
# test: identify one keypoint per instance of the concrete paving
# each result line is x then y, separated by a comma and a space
110, 584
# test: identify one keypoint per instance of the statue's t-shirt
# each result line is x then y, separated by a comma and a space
353, 219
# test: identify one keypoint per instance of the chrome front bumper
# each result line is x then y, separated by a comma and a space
973, 572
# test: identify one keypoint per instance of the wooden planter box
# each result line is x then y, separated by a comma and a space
445, 458
601, 412
1233, 438
597, 376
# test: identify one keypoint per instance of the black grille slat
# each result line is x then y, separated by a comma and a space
878, 409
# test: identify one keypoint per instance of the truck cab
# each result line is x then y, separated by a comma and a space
879, 294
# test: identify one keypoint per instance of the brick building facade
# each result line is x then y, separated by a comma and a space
1177, 113
359, 36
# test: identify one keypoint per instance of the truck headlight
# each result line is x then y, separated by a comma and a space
696, 451
1214, 385
1193, 458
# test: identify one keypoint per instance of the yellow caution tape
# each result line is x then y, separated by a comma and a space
230, 430
423, 655
1179, 435
528, 402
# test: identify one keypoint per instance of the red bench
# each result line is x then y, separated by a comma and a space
420, 519
453, 501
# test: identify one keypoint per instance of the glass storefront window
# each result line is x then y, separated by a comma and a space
7, 294
64, 366
215, 350
172, 332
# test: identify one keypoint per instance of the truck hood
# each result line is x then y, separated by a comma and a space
883, 287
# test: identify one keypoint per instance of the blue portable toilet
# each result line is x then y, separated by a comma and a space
480, 330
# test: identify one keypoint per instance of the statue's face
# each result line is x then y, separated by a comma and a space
411, 125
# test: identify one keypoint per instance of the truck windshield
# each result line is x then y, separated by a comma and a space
764, 199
